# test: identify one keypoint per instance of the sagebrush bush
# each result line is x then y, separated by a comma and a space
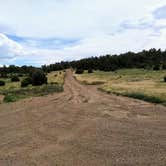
38, 78
15, 79
79, 71
2, 83
26, 81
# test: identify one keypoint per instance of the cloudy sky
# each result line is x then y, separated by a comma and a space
35, 32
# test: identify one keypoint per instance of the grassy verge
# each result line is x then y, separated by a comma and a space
141, 84
140, 96
14, 95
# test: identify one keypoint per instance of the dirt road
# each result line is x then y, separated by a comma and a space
82, 127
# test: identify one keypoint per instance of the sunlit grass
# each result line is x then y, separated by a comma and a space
137, 83
56, 77
9, 85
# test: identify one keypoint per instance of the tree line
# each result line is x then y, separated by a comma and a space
12, 69
147, 59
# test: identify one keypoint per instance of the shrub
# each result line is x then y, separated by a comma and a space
164, 66
113, 68
90, 71
26, 81
38, 78
165, 79
10, 98
15, 79
2, 83
20, 75
79, 71
156, 67
3, 75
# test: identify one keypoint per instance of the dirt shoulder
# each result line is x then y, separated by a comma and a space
82, 126
1, 98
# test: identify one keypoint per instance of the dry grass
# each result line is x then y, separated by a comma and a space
9, 85
56, 77
130, 81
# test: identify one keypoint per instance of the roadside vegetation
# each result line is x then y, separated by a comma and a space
148, 85
139, 75
37, 83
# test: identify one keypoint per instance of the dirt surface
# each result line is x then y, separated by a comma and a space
1, 98
82, 127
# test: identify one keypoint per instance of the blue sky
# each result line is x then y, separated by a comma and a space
42, 32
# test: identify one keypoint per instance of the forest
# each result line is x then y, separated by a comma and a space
147, 59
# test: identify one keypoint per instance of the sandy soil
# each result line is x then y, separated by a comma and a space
82, 127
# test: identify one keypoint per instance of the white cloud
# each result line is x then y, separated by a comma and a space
93, 46
102, 27
8, 48
71, 18
157, 41
160, 23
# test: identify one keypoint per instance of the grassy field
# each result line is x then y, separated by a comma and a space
12, 91
143, 84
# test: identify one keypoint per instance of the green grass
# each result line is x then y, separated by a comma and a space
10, 98
14, 95
14, 92
144, 97
142, 84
